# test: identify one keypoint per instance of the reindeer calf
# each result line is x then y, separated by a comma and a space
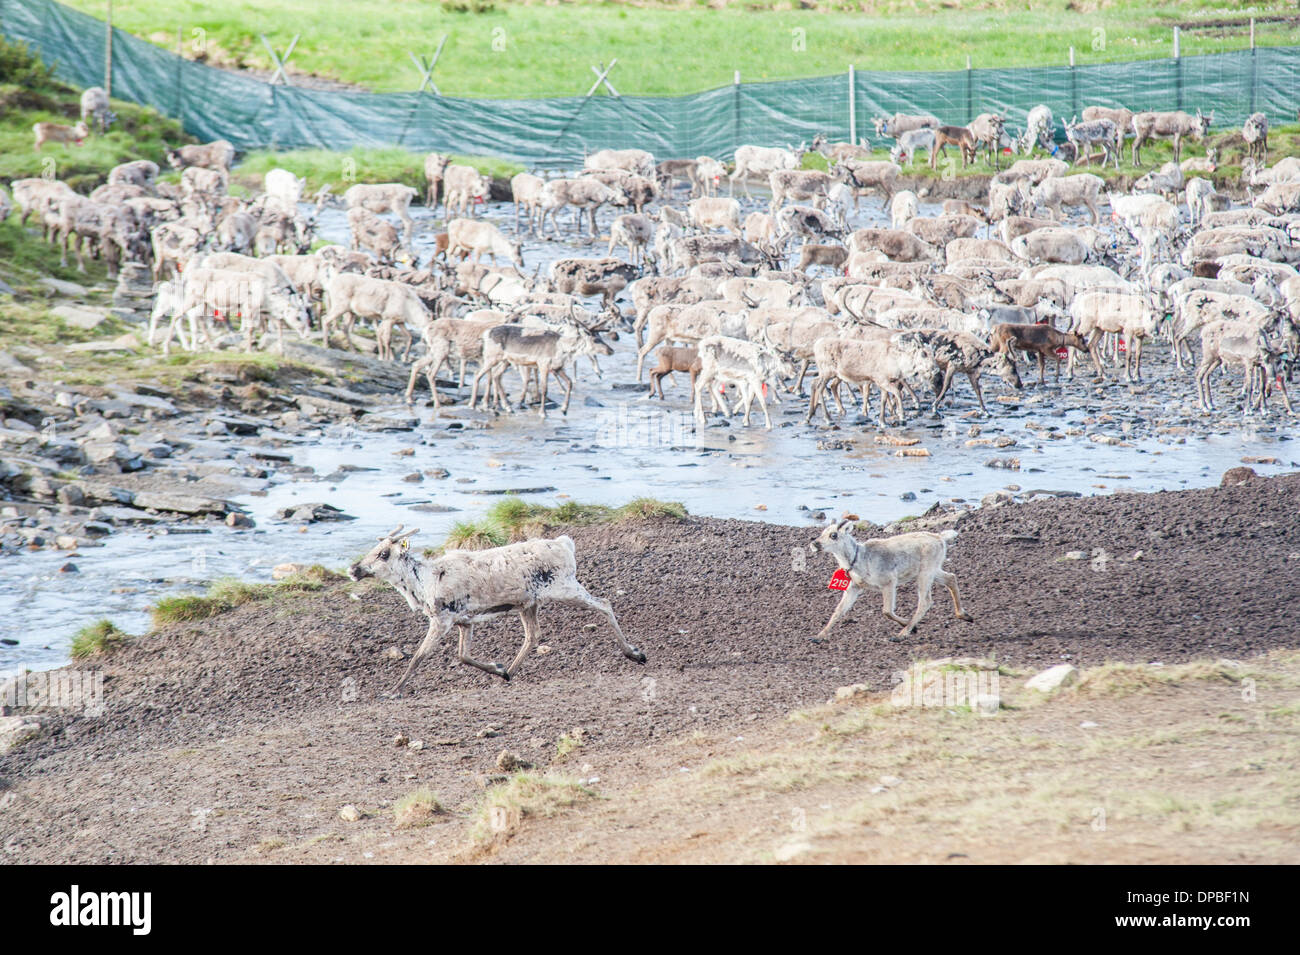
673, 359
885, 563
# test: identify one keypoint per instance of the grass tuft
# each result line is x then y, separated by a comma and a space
514, 519
97, 639
416, 809
228, 593
505, 807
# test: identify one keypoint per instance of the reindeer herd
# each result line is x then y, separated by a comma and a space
751, 298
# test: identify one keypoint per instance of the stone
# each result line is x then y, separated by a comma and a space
71, 289
80, 316
849, 692
350, 813
282, 571
1234, 476
239, 520
1053, 678
16, 730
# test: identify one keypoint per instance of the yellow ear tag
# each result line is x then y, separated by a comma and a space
406, 543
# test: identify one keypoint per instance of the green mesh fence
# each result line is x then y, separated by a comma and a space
218, 104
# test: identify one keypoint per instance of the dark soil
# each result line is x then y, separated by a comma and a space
263, 721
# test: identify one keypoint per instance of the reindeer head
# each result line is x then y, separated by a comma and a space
392, 548
1002, 365
835, 539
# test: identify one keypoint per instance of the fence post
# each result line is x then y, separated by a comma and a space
1074, 86
1178, 71
180, 56
108, 50
1254, 74
970, 93
853, 112
735, 110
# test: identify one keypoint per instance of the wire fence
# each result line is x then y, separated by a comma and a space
213, 103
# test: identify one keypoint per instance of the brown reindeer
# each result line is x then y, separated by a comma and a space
958, 136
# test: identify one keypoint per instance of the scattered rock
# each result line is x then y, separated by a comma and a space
16, 730
350, 813
1234, 476
312, 513
849, 692
284, 571
508, 762
1053, 678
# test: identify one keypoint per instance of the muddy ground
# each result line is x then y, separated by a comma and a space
252, 729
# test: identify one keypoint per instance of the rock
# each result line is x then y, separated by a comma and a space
239, 520
849, 692
907, 496
16, 730
1010, 464
68, 568
415, 477
1053, 678
70, 289
181, 503
72, 495
96, 529
350, 813
312, 513
791, 850
1234, 476
508, 762
102, 432
416, 745
1076, 555
127, 342
8, 363
394, 653
379, 422
995, 498
80, 316
282, 571
400, 740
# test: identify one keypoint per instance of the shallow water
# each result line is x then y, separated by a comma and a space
615, 445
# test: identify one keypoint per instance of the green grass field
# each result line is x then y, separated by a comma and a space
505, 48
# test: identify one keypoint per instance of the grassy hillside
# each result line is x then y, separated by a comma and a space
507, 48
29, 94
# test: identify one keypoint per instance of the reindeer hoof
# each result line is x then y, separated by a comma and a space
965, 616
636, 655
897, 638
817, 640
501, 672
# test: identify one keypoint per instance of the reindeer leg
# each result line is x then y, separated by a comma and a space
571, 593
851, 594
889, 603
528, 616
437, 627
923, 604
950, 581
462, 653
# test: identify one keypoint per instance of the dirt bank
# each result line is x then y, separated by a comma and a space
245, 733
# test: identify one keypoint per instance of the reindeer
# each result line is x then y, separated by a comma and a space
465, 587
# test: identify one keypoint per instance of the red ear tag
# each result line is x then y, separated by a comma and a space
1063, 353
839, 580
